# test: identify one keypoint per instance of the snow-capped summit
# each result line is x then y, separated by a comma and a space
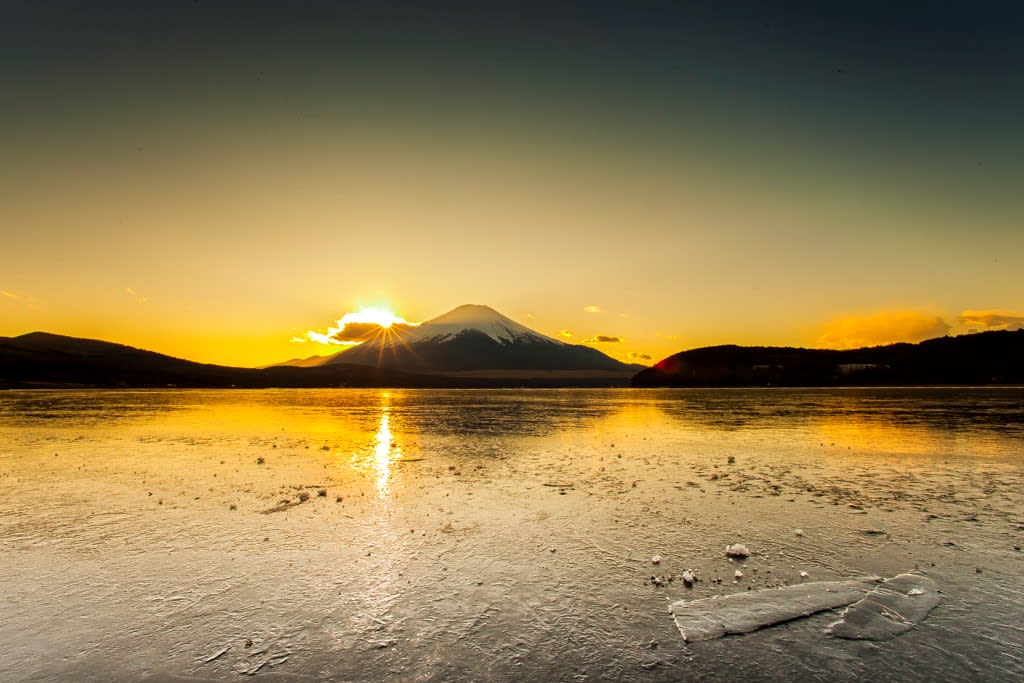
477, 318
475, 338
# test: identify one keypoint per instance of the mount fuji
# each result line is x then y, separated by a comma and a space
477, 340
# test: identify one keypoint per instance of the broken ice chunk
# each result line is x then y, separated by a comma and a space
714, 617
736, 550
892, 608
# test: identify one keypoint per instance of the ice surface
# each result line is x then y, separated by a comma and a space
892, 608
711, 618
409, 571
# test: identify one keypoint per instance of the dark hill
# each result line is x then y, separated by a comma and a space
40, 359
984, 358
43, 360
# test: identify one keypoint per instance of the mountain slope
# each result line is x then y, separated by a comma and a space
984, 358
40, 359
473, 338
308, 362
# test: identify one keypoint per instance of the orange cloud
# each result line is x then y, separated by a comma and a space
638, 357
592, 309
981, 321
881, 327
564, 333
602, 339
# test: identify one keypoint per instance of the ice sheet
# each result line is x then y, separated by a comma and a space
719, 616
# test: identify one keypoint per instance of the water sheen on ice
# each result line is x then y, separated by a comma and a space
890, 609
718, 616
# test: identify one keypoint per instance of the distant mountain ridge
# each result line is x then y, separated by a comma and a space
984, 358
40, 359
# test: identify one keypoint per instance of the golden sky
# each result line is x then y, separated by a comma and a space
210, 186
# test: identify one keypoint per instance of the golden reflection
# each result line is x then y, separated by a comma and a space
881, 435
385, 450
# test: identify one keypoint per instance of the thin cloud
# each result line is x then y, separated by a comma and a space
18, 298
592, 309
564, 333
880, 328
139, 299
602, 339
983, 321
638, 356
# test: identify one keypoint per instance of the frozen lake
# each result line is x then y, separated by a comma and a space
499, 534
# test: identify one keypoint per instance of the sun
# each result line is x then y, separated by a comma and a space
381, 317
379, 321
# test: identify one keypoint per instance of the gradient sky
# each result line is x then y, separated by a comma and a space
210, 179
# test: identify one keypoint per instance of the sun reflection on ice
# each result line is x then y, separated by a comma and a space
385, 450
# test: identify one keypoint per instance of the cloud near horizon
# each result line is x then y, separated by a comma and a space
602, 339
983, 321
564, 333
632, 355
357, 327
882, 327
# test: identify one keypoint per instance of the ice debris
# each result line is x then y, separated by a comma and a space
661, 581
877, 609
892, 608
737, 550
718, 616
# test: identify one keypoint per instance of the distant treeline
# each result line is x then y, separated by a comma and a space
984, 358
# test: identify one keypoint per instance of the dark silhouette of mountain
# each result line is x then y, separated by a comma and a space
307, 362
40, 359
477, 341
983, 358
